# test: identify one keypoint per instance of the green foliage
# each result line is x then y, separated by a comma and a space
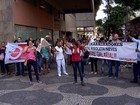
133, 4
116, 17
99, 22
97, 5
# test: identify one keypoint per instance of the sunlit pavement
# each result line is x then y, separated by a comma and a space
54, 90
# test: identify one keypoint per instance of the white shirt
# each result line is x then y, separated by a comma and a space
59, 53
91, 41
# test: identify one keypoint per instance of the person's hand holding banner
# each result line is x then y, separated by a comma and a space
14, 52
42, 44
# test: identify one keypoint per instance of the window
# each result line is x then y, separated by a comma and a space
89, 28
80, 28
43, 32
25, 32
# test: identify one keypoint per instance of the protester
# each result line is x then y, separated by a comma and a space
115, 63
20, 65
84, 57
46, 53
136, 66
76, 61
2, 63
103, 61
94, 61
49, 40
60, 60
38, 55
30, 50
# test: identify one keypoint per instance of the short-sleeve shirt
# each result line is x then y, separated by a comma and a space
31, 54
59, 53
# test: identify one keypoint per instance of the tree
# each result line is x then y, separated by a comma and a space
97, 4
116, 18
99, 27
99, 22
133, 4
120, 14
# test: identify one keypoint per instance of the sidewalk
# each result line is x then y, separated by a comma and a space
54, 90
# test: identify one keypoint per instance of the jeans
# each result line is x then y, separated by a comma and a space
4, 66
136, 70
84, 61
29, 64
39, 61
20, 68
49, 63
75, 66
94, 60
103, 64
116, 64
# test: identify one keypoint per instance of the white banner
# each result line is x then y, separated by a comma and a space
43, 42
125, 51
14, 52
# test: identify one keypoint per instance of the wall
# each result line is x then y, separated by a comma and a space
6, 20
26, 14
70, 24
84, 19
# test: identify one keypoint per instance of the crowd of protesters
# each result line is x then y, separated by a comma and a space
64, 51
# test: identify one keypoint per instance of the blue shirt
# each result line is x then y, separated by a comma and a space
138, 53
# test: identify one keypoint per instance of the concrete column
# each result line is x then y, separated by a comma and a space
93, 9
6, 21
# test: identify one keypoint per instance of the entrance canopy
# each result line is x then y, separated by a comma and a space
72, 6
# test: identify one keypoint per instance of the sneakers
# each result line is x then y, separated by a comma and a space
116, 78
74, 82
31, 83
39, 81
2, 73
66, 73
92, 72
133, 81
59, 75
82, 83
95, 73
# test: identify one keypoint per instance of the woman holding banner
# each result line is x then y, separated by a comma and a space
30, 50
115, 63
136, 66
2, 56
20, 65
46, 53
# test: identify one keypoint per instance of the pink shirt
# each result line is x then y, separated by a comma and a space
31, 54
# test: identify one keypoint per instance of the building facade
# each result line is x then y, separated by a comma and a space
38, 18
85, 24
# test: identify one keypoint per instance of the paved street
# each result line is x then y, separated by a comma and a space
54, 90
